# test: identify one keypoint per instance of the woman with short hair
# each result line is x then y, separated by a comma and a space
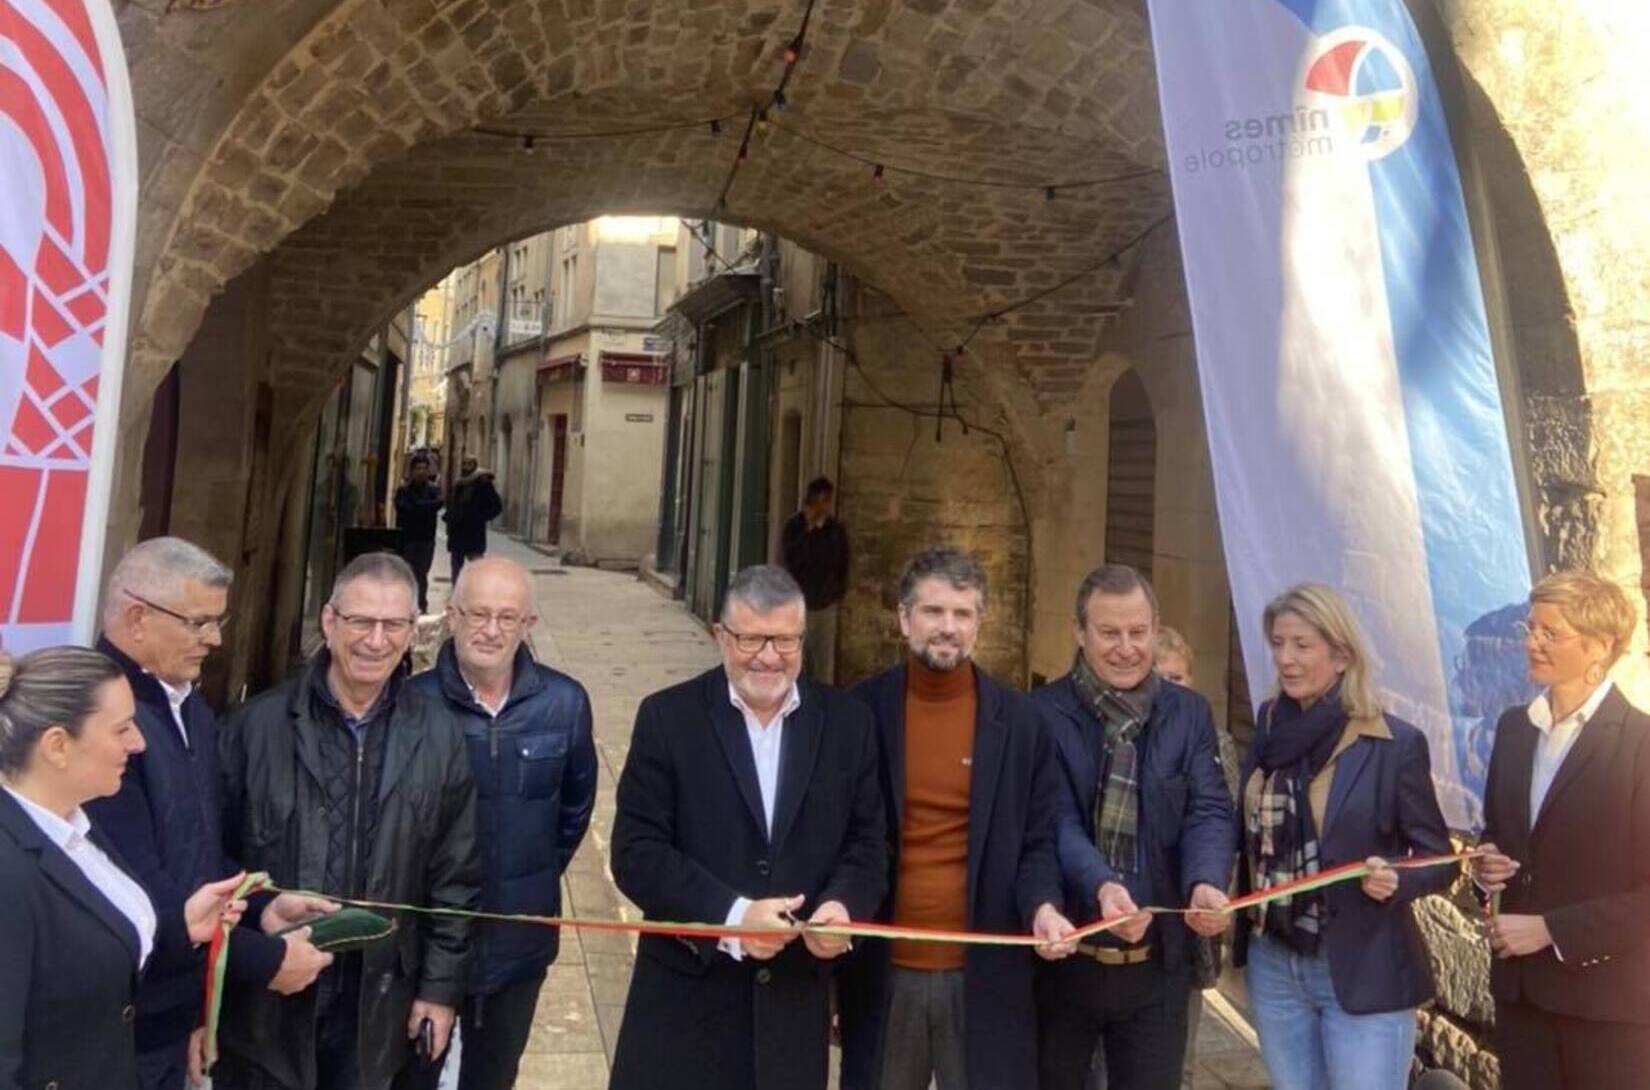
77, 928
1334, 976
1566, 853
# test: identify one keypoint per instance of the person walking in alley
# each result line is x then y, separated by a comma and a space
815, 547
749, 798
472, 503
1146, 819
165, 607
528, 730
1567, 852
346, 780
969, 784
416, 503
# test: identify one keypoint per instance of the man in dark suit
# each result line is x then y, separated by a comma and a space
970, 786
748, 799
1146, 820
164, 611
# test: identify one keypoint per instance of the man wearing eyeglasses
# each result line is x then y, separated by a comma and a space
347, 781
164, 614
528, 730
749, 799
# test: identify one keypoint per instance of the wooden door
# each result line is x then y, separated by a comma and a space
558, 474
1131, 476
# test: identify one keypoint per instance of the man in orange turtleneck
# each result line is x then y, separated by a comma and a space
970, 782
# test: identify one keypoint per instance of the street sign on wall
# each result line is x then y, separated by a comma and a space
68, 205
1355, 419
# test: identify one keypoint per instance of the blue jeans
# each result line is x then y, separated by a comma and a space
1307, 1041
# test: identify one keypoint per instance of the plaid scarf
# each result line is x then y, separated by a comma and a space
1123, 714
1281, 833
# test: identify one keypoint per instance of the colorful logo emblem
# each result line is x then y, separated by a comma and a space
1363, 80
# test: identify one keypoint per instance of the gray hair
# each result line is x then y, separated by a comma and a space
159, 568
56, 687
378, 567
762, 587
956, 566
1113, 580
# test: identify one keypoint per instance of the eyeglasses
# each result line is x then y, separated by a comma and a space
1542, 637
359, 625
753, 644
508, 623
200, 625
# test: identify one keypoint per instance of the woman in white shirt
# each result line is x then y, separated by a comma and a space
76, 929
1567, 853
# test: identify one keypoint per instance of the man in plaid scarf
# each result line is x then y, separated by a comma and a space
1147, 821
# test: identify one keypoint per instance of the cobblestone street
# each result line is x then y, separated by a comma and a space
624, 640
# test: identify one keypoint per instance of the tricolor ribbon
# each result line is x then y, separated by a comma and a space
854, 929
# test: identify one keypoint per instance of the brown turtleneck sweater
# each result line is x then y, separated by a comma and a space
932, 885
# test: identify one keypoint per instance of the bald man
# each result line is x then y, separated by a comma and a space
528, 729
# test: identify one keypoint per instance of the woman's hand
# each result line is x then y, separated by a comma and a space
1382, 881
212, 905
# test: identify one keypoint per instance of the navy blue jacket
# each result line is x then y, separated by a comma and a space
1381, 802
1186, 829
166, 821
535, 772
1012, 871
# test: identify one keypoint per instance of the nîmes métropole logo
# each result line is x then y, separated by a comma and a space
1357, 94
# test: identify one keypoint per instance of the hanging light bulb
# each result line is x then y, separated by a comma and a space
779, 100
527, 144
793, 52
715, 128
762, 121
1048, 194
876, 174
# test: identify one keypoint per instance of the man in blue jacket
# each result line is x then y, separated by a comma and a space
528, 731
1146, 820
164, 611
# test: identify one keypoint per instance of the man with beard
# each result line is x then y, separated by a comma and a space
749, 799
970, 787
1146, 820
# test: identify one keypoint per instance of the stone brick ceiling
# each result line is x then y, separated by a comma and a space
348, 155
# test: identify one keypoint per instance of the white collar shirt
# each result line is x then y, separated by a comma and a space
175, 696
490, 709
1556, 740
117, 887
765, 745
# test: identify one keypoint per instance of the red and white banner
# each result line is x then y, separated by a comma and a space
68, 208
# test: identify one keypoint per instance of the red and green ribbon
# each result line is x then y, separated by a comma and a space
253, 883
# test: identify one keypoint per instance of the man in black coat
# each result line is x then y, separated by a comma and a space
164, 611
416, 504
346, 781
748, 799
472, 503
970, 785
815, 547
528, 730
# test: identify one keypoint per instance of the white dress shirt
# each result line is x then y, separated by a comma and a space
174, 700
118, 887
765, 746
1556, 741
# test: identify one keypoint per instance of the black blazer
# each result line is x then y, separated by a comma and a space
1586, 864
68, 967
690, 837
1013, 797
1381, 802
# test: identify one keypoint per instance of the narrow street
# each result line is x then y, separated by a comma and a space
624, 640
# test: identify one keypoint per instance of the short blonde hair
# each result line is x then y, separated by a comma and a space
1595, 607
1327, 612
1171, 642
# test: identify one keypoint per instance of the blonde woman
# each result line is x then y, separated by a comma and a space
1334, 977
1567, 849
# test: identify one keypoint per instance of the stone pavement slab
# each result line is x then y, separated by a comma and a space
623, 639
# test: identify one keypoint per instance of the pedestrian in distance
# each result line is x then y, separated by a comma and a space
417, 502
1566, 848
527, 728
348, 782
472, 503
815, 547
78, 931
970, 789
1334, 976
1145, 819
749, 799
165, 610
